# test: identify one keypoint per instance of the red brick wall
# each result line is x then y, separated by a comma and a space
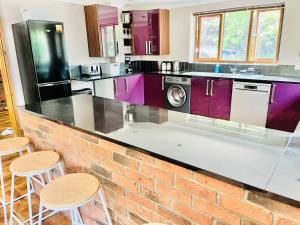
141, 188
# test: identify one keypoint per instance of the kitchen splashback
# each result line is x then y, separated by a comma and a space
281, 70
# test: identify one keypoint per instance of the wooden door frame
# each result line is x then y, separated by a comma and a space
8, 90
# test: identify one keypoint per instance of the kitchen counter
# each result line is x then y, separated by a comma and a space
251, 155
246, 77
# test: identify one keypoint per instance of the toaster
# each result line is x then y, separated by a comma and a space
91, 70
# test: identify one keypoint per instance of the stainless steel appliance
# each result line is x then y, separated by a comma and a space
42, 60
250, 103
177, 93
111, 68
176, 66
90, 70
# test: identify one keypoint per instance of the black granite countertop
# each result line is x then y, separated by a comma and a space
250, 155
238, 76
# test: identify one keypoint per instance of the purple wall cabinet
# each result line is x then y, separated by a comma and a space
153, 32
154, 90
108, 15
140, 31
134, 86
284, 107
220, 99
120, 89
200, 96
211, 97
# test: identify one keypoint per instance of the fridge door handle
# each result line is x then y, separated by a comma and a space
54, 83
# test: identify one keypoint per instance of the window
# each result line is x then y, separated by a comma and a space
246, 36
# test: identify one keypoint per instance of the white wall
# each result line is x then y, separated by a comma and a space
75, 32
181, 28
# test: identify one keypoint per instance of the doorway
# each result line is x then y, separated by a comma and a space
9, 124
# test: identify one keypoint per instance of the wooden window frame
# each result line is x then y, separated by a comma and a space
252, 38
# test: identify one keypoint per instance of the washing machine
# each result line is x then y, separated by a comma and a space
178, 93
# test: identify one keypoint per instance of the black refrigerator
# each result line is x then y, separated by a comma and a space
42, 60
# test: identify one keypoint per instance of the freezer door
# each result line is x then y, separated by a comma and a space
54, 91
48, 50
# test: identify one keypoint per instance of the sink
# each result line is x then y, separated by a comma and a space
202, 74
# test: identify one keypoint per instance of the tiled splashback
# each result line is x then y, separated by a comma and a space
281, 70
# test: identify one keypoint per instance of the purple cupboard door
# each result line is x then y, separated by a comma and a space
119, 86
154, 90
200, 97
220, 99
140, 31
284, 107
135, 89
153, 29
108, 15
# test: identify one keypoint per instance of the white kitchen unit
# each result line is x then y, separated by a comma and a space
105, 88
77, 85
250, 103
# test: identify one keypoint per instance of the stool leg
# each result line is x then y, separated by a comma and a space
79, 216
3, 192
12, 196
40, 214
104, 204
29, 200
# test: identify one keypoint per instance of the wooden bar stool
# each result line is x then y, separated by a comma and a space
70, 192
10, 146
37, 167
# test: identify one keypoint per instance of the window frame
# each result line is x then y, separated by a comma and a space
252, 37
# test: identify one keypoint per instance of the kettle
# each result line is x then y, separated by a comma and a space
176, 66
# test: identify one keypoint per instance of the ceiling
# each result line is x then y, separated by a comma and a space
173, 3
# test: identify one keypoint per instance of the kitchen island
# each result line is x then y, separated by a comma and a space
163, 166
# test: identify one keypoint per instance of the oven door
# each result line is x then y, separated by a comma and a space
176, 96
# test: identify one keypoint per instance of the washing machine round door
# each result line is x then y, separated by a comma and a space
176, 96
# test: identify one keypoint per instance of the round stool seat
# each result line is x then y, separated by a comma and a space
12, 145
69, 191
34, 163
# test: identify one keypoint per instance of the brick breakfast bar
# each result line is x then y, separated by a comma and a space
142, 184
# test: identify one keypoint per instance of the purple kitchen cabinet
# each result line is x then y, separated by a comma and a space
134, 86
284, 107
140, 31
154, 90
220, 99
153, 32
120, 89
108, 15
200, 96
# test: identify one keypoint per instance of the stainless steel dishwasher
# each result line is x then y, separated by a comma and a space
250, 103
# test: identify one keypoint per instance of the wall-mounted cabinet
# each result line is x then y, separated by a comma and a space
148, 31
101, 21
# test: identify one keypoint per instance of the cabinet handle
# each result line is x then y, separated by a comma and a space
146, 43
207, 86
115, 87
273, 94
149, 47
163, 83
212, 88
126, 85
